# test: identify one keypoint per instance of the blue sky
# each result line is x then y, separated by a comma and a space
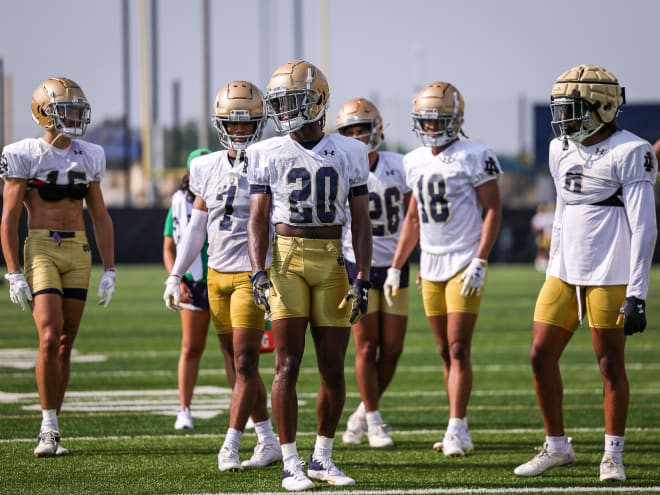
503, 55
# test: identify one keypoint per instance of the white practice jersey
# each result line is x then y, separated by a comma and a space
449, 213
225, 189
604, 230
34, 159
387, 188
309, 188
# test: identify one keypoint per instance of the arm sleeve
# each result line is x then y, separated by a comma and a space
192, 242
640, 209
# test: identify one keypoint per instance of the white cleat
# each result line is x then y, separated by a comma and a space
545, 460
465, 444
294, 478
325, 470
379, 436
265, 454
228, 460
62, 451
47, 443
184, 420
611, 470
356, 428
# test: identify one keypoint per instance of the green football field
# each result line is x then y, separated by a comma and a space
118, 415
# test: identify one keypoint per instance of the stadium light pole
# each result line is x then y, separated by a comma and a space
126, 88
203, 137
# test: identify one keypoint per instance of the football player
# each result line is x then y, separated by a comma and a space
455, 213
195, 316
603, 238
51, 176
221, 209
379, 335
303, 182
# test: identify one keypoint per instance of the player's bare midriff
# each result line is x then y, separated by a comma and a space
63, 215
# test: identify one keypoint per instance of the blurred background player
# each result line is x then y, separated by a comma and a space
380, 333
306, 180
51, 176
601, 253
221, 207
456, 214
194, 304
541, 226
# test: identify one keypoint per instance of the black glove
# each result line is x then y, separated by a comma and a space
359, 293
633, 312
261, 289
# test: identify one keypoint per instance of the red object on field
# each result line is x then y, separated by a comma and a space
267, 341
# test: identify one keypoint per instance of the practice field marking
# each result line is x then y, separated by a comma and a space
24, 359
398, 433
489, 491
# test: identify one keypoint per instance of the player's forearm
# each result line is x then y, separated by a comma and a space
105, 240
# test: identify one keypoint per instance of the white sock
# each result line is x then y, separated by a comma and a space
613, 447
289, 453
233, 439
556, 444
455, 425
361, 410
49, 420
264, 430
323, 447
373, 419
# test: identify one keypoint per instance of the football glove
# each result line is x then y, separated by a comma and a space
19, 290
474, 277
106, 288
172, 294
261, 289
359, 293
633, 315
391, 285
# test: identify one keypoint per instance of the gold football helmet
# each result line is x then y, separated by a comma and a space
297, 95
440, 102
583, 100
239, 101
59, 103
362, 111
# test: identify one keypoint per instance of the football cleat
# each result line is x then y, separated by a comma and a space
379, 436
324, 469
184, 420
265, 454
61, 451
356, 428
228, 460
545, 460
294, 478
47, 443
611, 470
466, 443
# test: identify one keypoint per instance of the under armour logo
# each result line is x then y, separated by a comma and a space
340, 260
648, 162
389, 172
77, 152
329, 152
640, 308
614, 443
600, 151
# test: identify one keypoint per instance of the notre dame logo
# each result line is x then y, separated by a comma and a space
648, 162
490, 166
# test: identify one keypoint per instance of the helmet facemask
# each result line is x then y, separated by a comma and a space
238, 142
446, 130
70, 118
574, 119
